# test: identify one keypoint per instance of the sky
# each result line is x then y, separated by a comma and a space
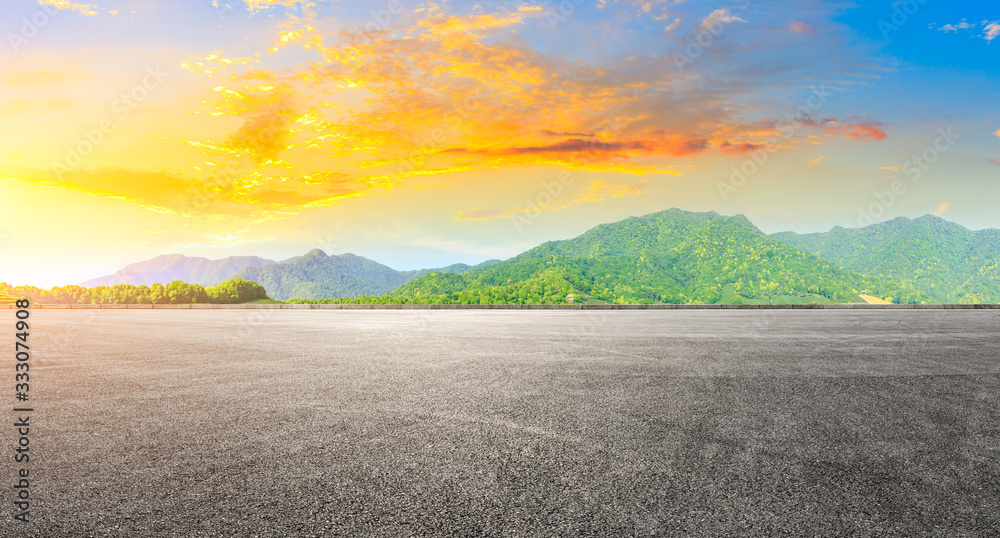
421, 134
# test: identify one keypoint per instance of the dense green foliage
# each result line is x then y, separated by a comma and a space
944, 261
668, 257
234, 291
983, 287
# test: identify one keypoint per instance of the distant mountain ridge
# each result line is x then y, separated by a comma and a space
317, 275
668, 256
943, 260
313, 275
170, 267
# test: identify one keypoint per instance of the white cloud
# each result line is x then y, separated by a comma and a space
955, 27
718, 17
991, 31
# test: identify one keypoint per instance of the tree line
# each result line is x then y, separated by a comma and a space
234, 291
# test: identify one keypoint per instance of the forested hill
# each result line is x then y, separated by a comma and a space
316, 275
945, 261
659, 231
672, 256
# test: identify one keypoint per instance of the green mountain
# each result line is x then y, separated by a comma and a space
316, 275
944, 261
672, 256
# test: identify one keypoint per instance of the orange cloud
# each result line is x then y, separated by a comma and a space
853, 127
802, 28
744, 147
861, 130
815, 161
596, 148
942, 208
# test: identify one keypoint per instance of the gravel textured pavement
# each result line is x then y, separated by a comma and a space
535, 423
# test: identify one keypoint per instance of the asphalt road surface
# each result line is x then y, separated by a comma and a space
527, 423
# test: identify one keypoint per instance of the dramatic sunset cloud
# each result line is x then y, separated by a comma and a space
217, 124
320, 111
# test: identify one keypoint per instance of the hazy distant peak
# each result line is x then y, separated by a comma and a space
169, 267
